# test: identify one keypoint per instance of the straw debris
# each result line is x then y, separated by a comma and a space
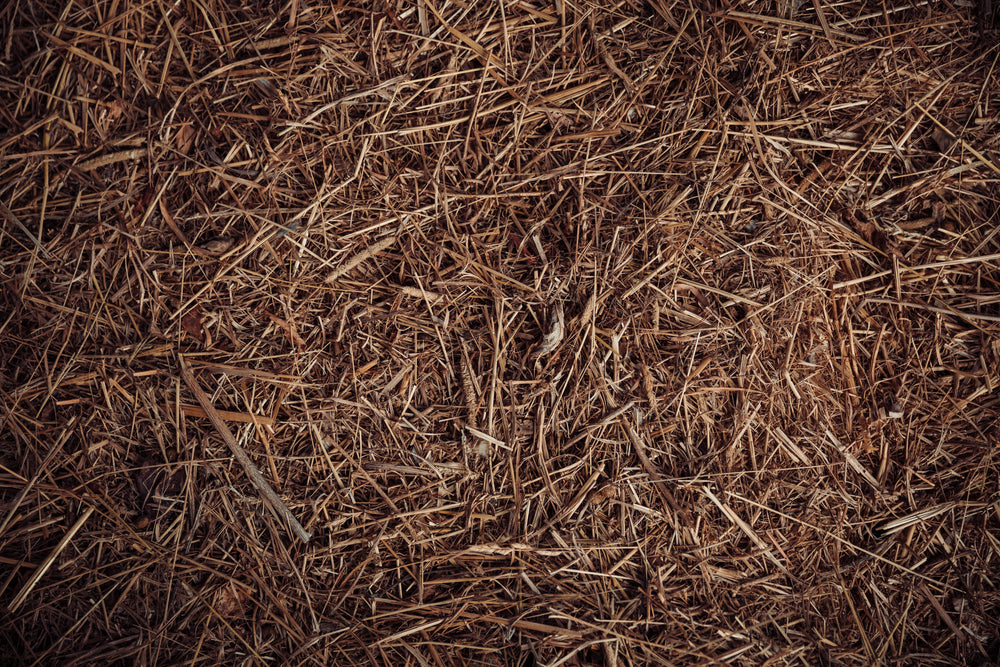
499, 333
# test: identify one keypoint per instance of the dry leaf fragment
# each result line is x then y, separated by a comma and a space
875, 236
114, 110
158, 491
191, 323
108, 116
606, 492
184, 139
943, 139
228, 601
289, 329
555, 335
217, 245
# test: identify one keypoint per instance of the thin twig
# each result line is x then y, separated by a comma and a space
274, 502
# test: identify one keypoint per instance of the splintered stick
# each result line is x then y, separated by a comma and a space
258, 480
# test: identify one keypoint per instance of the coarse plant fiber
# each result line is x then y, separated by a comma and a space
572, 333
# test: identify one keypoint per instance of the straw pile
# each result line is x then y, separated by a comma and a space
501, 333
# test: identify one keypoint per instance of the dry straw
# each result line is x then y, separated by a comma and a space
566, 333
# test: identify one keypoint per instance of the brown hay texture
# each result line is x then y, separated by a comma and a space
499, 332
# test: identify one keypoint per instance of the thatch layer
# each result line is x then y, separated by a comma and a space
603, 333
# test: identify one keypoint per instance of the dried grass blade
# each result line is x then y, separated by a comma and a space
40, 572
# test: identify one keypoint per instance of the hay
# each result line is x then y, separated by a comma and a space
611, 333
